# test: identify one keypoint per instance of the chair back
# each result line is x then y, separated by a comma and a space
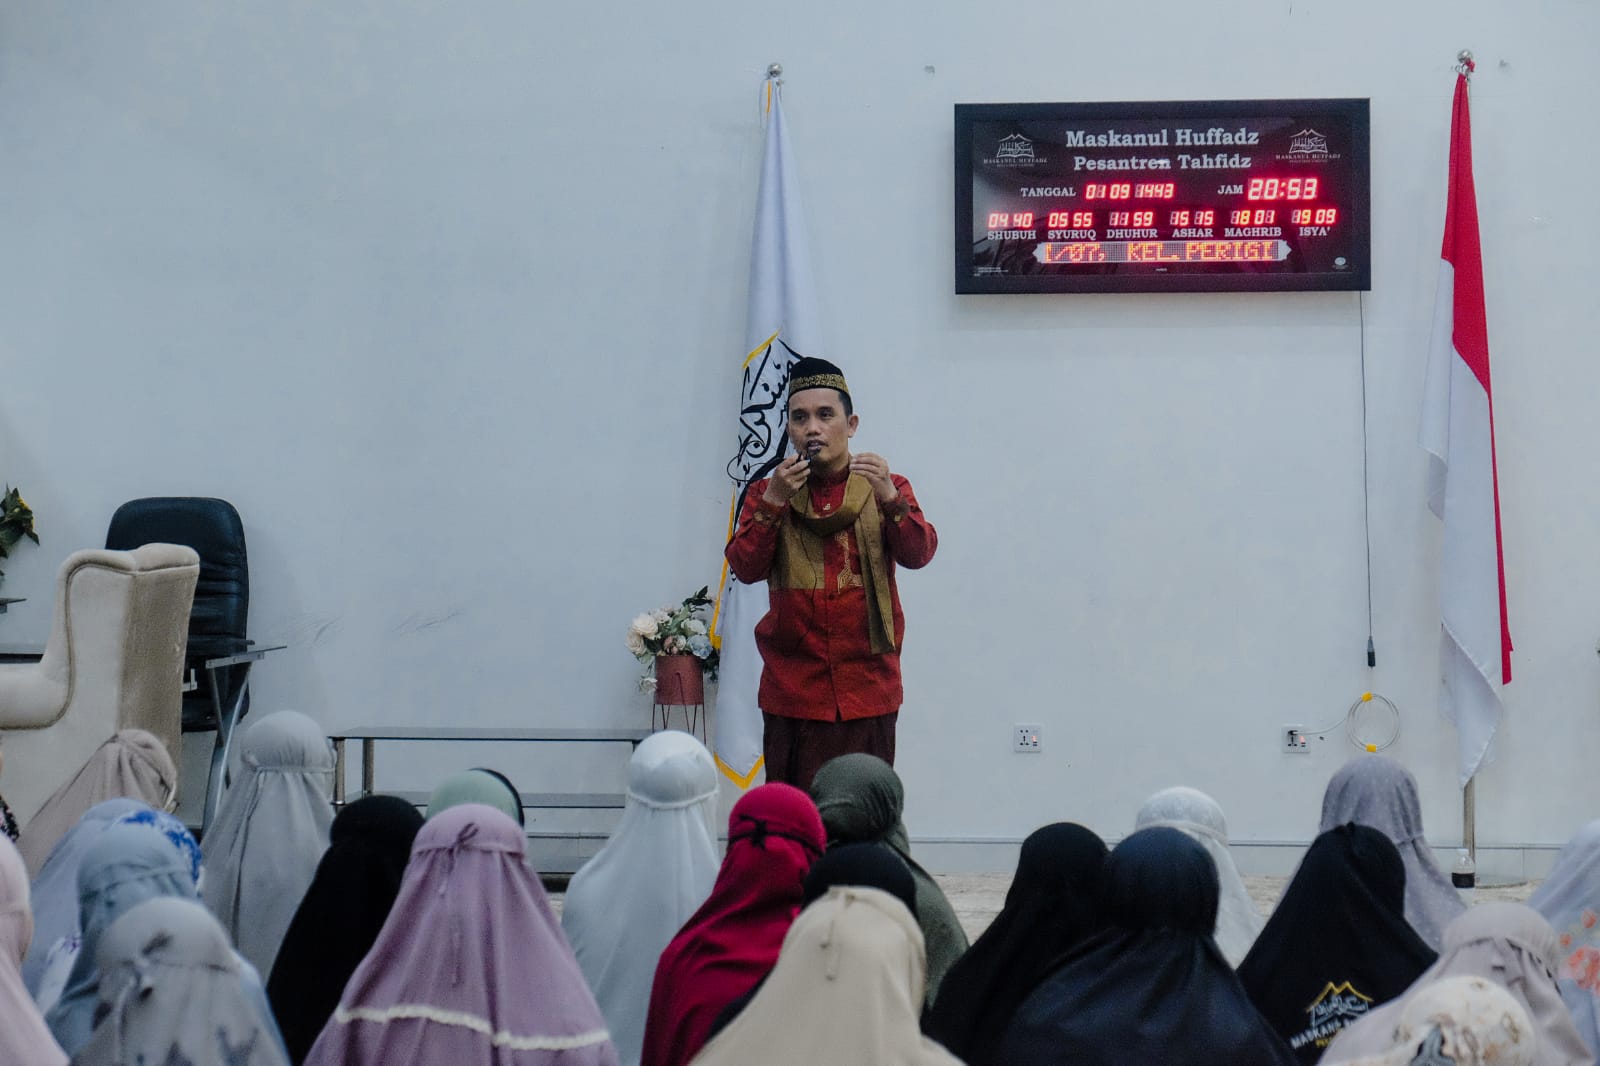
219, 619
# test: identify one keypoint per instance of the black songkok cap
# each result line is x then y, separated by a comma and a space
810, 373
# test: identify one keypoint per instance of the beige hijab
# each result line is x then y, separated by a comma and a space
847, 989
1507, 943
24, 1037
1466, 1021
132, 764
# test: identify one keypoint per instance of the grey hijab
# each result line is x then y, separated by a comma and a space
126, 865
1376, 791
861, 800
170, 992
262, 854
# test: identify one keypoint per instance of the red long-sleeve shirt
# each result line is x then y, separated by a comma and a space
816, 651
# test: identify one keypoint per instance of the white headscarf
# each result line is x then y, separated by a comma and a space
628, 902
1511, 945
848, 988
1375, 790
270, 833
1196, 814
1570, 901
1466, 1021
24, 1038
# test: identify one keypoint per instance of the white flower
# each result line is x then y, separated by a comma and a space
694, 627
646, 625
635, 643
661, 615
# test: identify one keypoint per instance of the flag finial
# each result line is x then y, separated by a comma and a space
1464, 63
774, 70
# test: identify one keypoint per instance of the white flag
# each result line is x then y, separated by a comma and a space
781, 326
1463, 485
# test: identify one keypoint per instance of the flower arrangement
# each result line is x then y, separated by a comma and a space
16, 522
676, 630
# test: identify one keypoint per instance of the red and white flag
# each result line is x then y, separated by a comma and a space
1463, 484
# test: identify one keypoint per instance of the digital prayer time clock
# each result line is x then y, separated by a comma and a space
1186, 196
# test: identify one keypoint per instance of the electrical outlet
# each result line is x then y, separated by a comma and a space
1292, 740
1025, 738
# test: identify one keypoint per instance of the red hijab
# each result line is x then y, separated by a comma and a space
774, 834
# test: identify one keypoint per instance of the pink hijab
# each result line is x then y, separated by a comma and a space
471, 966
23, 1035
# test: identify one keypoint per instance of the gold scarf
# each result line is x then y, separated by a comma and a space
798, 563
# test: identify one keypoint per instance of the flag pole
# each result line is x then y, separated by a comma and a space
1469, 791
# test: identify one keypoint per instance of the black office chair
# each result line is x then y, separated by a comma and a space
219, 653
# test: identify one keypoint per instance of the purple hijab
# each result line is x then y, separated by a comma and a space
471, 966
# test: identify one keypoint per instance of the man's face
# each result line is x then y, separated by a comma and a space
819, 429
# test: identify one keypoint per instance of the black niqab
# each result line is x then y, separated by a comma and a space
1338, 942
341, 915
1152, 987
1052, 905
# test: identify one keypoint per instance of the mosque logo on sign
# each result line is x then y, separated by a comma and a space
1014, 151
1336, 1007
1308, 146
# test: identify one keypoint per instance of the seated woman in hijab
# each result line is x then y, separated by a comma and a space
24, 1038
729, 944
1193, 812
1507, 943
470, 967
170, 992
862, 801
846, 989
341, 915
132, 764
270, 833
1377, 791
1152, 987
854, 865
1569, 899
1338, 943
55, 891
625, 905
1460, 1021
1052, 906
478, 785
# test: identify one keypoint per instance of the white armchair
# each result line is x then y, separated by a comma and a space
114, 661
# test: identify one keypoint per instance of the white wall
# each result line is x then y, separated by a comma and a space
448, 299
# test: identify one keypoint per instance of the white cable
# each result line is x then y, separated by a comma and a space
1351, 723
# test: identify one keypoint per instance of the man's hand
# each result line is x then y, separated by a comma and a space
875, 468
786, 480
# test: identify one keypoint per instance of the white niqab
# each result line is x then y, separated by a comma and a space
1198, 816
270, 833
626, 904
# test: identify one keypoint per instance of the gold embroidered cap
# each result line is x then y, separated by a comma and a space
811, 373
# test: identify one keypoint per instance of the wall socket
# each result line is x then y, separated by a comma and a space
1293, 740
1026, 738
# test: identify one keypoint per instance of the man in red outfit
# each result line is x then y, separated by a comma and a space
825, 532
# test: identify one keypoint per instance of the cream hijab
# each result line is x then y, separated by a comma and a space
1197, 815
24, 1037
1464, 1021
847, 989
133, 763
1511, 945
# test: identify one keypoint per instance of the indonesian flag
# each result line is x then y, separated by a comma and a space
782, 324
1463, 487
